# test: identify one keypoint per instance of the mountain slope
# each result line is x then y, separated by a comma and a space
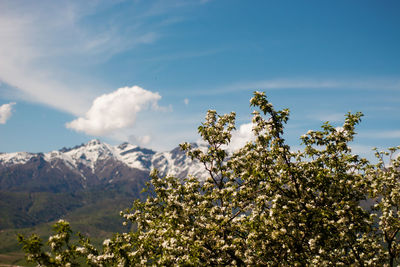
40, 187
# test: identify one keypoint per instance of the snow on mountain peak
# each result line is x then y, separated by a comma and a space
94, 151
134, 156
88, 154
94, 154
93, 142
16, 157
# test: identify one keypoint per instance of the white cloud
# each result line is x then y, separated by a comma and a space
45, 48
115, 111
5, 112
34, 39
241, 136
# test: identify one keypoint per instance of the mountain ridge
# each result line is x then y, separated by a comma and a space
37, 188
94, 154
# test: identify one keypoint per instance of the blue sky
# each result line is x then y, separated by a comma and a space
146, 72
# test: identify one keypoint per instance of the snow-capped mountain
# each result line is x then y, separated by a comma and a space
94, 153
176, 163
15, 158
96, 162
90, 180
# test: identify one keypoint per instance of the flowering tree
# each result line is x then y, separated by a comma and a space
384, 187
261, 205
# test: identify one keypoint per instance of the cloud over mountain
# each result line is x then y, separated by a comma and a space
115, 111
